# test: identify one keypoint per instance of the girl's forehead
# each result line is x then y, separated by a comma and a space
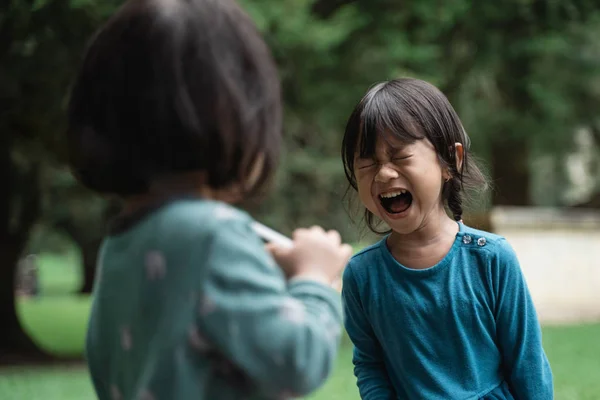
389, 146
385, 142
389, 141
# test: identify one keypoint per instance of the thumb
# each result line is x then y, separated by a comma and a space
276, 251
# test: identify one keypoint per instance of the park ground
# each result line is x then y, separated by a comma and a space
57, 320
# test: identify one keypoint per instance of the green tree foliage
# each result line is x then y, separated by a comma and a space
522, 75
40, 45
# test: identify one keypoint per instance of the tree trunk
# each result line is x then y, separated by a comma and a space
87, 245
89, 255
19, 209
87, 235
510, 173
15, 344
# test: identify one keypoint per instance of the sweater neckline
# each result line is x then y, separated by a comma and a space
424, 272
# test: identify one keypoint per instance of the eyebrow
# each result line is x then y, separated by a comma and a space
395, 150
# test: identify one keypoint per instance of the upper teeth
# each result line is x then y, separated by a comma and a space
393, 194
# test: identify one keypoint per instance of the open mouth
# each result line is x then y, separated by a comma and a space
396, 202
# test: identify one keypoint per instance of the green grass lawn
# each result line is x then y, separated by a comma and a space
57, 323
573, 353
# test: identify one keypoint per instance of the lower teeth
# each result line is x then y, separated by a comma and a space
388, 203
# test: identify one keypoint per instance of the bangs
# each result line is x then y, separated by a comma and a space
384, 116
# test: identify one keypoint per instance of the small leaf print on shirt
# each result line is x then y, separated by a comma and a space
226, 213
197, 341
99, 268
332, 328
325, 318
146, 395
126, 342
287, 396
156, 266
115, 394
206, 306
334, 332
293, 311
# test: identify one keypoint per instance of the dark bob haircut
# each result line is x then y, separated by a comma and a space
410, 110
170, 87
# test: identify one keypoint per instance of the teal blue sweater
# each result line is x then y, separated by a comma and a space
465, 328
189, 305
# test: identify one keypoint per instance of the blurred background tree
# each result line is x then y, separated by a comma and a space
40, 46
524, 76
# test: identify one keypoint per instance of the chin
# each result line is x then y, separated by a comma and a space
403, 227
403, 223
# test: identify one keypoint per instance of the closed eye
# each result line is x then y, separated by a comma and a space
402, 158
365, 166
365, 163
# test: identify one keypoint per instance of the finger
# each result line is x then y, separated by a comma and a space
270, 247
298, 233
317, 229
337, 284
347, 251
276, 250
334, 236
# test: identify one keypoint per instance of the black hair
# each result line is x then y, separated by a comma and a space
410, 110
169, 87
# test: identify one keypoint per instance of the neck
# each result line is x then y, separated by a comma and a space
162, 190
133, 204
429, 242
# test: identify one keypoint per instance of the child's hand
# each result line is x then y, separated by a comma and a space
316, 255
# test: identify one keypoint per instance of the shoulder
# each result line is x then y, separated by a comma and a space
202, 218
366, 256
190, 211
215, 230
495, 248
360, 262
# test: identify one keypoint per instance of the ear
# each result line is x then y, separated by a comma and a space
459, 154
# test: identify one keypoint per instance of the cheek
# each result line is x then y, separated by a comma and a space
364, 192
428, 183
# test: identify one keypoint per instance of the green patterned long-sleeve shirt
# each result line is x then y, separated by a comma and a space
188, 305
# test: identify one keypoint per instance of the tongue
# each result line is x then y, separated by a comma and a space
399, 204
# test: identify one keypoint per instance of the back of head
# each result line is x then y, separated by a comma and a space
170, 87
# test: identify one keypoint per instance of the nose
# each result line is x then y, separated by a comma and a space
386, 173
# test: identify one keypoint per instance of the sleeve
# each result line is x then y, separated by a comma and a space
94, 358
284, 337
372, 378
526, 367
